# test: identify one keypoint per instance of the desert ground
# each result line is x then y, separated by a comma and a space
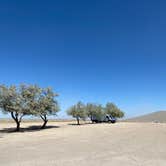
64, 144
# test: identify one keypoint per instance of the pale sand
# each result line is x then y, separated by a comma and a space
120, 144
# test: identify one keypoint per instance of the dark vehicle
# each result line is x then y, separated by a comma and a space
104, 118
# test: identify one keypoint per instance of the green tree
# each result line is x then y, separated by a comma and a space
113, 110
28, 100
90, 110
46, 105
94, 111
77, 111
99, 112
12, 101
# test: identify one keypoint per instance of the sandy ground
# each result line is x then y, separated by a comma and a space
120, 144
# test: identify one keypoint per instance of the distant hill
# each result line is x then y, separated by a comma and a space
159, 116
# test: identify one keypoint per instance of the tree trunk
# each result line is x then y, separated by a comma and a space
44, 118
78, 121
44, 124
91, 118
18, 126
15, 117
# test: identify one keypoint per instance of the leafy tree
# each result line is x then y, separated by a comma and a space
45, 104
90, 110
94, 111
113, 110
99, 112
27, 100
77, 111
12, 101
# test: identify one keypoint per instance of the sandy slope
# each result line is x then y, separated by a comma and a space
159, 116
127, 144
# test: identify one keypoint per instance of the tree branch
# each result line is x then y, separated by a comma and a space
42, 117
21, 117
12, 114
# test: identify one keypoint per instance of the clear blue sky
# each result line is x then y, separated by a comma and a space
89, 50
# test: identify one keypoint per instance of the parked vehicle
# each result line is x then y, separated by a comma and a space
104, 118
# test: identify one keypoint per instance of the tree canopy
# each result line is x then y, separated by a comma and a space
113, 110
27, 100
77, 111
44, 104
94, 111
24, 99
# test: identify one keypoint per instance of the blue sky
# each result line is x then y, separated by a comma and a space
89, 50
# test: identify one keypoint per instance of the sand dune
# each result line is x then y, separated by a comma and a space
159, 116
127, 144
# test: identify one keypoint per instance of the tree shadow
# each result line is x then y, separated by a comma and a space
88, 123
75, 124
28, 129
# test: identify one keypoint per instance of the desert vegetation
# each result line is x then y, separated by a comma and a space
23, 100
77, 111
32, 100
94, 111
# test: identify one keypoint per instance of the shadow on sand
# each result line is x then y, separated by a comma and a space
81, 124
74, 124
27, 129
